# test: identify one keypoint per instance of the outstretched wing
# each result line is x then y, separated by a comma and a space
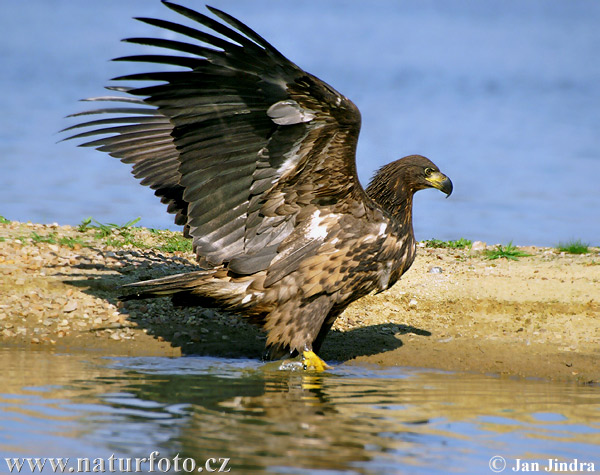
238, 142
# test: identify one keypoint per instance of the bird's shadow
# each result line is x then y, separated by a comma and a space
201, 331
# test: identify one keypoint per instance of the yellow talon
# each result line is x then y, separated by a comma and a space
311, 361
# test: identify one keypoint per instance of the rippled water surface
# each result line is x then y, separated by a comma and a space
352, 420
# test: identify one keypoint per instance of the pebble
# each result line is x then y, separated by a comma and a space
71, 306
478, 246
435, 270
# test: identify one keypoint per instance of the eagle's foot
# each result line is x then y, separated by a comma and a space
310, 361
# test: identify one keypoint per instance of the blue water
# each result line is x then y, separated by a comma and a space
351, 420
503, 95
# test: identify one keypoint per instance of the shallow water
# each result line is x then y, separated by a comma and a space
503, 95
351, 420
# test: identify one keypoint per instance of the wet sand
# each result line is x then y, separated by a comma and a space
535, 317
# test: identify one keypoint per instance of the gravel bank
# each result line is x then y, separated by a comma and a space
535, 317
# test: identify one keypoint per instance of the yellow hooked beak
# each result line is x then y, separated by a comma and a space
441, 182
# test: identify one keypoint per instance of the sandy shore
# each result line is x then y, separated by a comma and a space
538, 316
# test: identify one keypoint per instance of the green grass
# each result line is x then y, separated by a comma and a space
105, 230
71, 242
573, 247
457, 244
176, 243
126, 239
170, 241
509, 252
112, 234
52, 238
115, 235
128, 235
122, 238
85, 225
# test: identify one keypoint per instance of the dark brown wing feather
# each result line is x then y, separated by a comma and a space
241, 144
143, 138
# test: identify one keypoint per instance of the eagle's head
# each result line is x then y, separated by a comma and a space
394, 184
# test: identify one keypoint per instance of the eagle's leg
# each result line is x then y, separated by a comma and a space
310, 361
327, 324
309, 358
292, 327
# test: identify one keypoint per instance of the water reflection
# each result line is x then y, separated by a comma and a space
351, 420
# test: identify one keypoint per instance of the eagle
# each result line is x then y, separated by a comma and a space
256, 158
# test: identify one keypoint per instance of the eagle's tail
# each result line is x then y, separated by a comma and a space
207, 288
165, 286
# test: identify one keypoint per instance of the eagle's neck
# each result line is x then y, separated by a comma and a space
392, 194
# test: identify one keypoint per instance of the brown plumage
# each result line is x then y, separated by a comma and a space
256, 159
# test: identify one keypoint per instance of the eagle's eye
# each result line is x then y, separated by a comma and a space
428, 171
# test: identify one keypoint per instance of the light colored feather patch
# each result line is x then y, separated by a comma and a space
289, 112
317, 229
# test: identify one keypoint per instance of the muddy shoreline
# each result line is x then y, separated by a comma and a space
538, 316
